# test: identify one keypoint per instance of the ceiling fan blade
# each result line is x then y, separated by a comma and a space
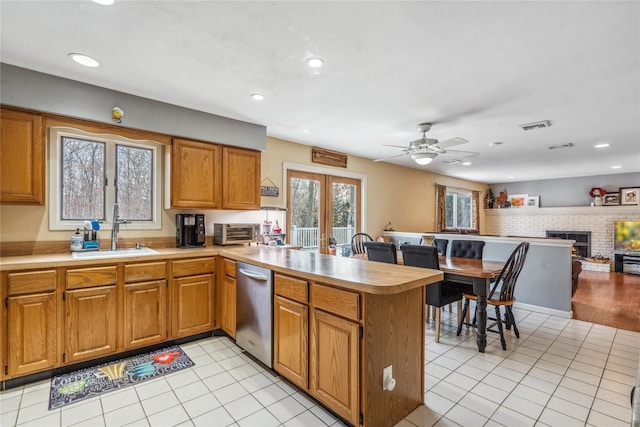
458, 153
389, 158
396, 146
452, 142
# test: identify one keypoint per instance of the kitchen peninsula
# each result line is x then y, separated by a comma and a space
338, 322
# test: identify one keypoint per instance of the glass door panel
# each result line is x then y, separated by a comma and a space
344, 212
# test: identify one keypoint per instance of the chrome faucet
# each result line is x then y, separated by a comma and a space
116, 227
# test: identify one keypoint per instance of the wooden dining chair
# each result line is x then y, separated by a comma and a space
502, 293
381, 252
438, 294
357, 243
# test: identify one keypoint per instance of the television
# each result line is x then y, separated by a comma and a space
626, 236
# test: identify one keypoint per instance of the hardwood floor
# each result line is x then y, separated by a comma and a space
611, 299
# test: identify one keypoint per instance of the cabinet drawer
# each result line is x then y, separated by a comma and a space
31, 282
337, 301
90, 277
191, 267
229, 267
292, 288
145, 272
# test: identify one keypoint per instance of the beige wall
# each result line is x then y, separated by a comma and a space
404, 196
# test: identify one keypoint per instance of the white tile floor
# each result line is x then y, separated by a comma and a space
560, 372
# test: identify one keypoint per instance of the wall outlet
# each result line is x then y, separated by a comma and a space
387, 375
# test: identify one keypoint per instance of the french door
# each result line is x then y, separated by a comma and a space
323, 210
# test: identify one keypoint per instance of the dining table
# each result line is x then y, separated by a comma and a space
479, 274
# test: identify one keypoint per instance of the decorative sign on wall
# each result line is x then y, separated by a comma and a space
328, 157
269, 191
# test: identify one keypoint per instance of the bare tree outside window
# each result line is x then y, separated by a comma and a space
134, 182
83, 171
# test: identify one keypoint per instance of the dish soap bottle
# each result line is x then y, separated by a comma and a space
76, 241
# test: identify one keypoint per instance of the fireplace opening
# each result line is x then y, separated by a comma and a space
582, 245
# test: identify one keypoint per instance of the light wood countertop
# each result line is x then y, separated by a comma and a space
349, 273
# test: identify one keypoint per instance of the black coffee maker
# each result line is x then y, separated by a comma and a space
189, 230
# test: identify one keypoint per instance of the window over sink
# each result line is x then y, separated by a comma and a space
89, 172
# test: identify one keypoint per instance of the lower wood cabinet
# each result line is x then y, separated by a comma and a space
192, 305
145, 313
290, 340
91, 325
334, 364
229, 305
32, 332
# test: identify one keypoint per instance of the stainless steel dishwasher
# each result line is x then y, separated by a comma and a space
254, 311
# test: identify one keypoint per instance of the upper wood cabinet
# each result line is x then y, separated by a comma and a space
22, 158
240, 179
196, 175
210, 176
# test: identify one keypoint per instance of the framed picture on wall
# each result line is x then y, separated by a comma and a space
629, 195
533, 202
611, 199
518, 200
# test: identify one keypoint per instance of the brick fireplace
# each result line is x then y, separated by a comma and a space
582, 245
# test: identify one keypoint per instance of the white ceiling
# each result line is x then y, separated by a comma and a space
476, 69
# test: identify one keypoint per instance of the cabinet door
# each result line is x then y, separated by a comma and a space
290, 333
91, 323
192, 305
145, 313
229, 305
32, 327
241, 178
334, 368
22, 164
196, 175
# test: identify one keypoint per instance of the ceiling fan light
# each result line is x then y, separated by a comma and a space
423, 158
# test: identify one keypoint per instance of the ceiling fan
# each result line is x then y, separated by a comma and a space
424, 150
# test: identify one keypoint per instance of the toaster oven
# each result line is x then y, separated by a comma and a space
233, 234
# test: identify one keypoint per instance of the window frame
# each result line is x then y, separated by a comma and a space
111, 141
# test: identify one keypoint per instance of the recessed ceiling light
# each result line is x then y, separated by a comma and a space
616, 167
85, 60
257, 96
315, 62
511, 176
604, 145
466, 163
104, 2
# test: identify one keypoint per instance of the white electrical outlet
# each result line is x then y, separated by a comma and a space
387, 377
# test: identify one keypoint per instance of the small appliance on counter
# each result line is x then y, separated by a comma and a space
234, 234
190, 231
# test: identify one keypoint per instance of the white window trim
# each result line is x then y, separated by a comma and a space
55, 181
463, 192
286, 166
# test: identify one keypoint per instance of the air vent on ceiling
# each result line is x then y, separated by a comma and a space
452, 162
557, 147
536, 125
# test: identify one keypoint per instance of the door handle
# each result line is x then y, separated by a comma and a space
256, 276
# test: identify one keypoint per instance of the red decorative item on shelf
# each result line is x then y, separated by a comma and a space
597, 192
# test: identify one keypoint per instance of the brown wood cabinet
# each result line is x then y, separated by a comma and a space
145, 304
91, 326
211, 176
290, 340
91, 307
32, 322
22, 158
196, 175
228, 306
240, 179
334, 364
192, 299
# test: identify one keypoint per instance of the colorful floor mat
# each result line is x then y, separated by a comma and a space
89, 382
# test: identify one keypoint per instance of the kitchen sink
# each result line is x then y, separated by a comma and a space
113, 254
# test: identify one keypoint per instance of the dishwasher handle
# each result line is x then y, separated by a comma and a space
253, 275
